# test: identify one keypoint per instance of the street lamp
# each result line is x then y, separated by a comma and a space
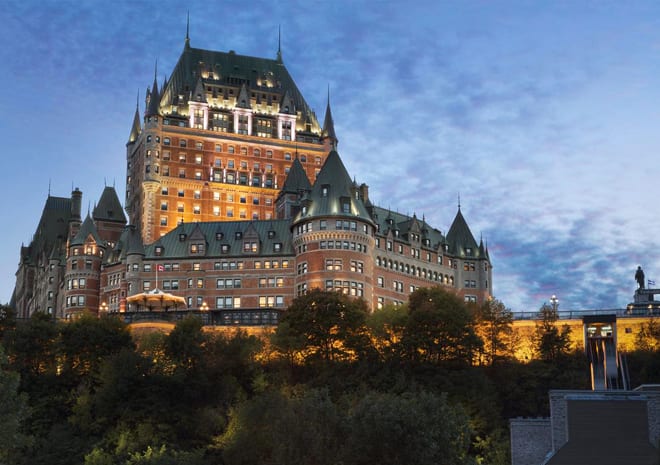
555, 303
204, 307
104, 307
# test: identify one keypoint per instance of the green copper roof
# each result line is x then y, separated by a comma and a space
388, 220
86, 229
225, 239
259, 75
460, 239
333, 194
297, 180
109, 208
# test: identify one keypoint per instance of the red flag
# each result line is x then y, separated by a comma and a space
161, 268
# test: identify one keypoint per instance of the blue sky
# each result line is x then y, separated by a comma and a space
543, 116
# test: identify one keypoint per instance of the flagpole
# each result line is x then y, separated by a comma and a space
156, 276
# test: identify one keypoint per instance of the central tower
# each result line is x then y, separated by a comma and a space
217, 141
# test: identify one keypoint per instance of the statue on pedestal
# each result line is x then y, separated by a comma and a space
639, 277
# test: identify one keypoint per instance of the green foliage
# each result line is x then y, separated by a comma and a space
326, 326
386, 326
495, 326
440, 328
648, 338
88, 340
13, 411
550, 341
420, 428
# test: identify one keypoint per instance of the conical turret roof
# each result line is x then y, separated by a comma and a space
333, 193
136, 127
460, 239
86, 229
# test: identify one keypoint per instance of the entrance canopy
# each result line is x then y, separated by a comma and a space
156, 300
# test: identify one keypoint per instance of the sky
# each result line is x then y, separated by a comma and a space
542, 116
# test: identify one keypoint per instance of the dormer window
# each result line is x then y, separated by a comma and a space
197, 248
345, 205
277, 247
158, 251
271, 234
325, 189
238, 235
182, 237
219, 236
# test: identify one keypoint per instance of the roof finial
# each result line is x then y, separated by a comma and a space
459, 200
49, 187
279, 43
156, 71
137, 102
188, 28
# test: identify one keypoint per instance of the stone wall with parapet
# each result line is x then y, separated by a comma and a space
531, 440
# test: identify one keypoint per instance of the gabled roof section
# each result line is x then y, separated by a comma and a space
460, 240
243, 100
130, 243
199, 94
87, 229
296, 181
333, 193
109, 208
387, 221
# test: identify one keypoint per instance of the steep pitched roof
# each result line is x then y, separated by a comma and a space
86, 229
387, 219
460, 239
136, 127
225, 239
109, 208
297, 180
259, 75
51, 231
329, 126
154, 97
331, 192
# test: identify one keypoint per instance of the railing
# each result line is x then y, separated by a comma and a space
579, 314
228, 317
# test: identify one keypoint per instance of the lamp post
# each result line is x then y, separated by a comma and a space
205, 315
555, 303
104, 307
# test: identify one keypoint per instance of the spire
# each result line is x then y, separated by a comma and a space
187, 43
154, 97
328, 131
135, 128
279, 44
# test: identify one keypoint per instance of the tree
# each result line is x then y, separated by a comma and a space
276, 428
386, 326
551, 342
420, 428
88, 340
13, 410
324, 325
440, 328
495, 327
